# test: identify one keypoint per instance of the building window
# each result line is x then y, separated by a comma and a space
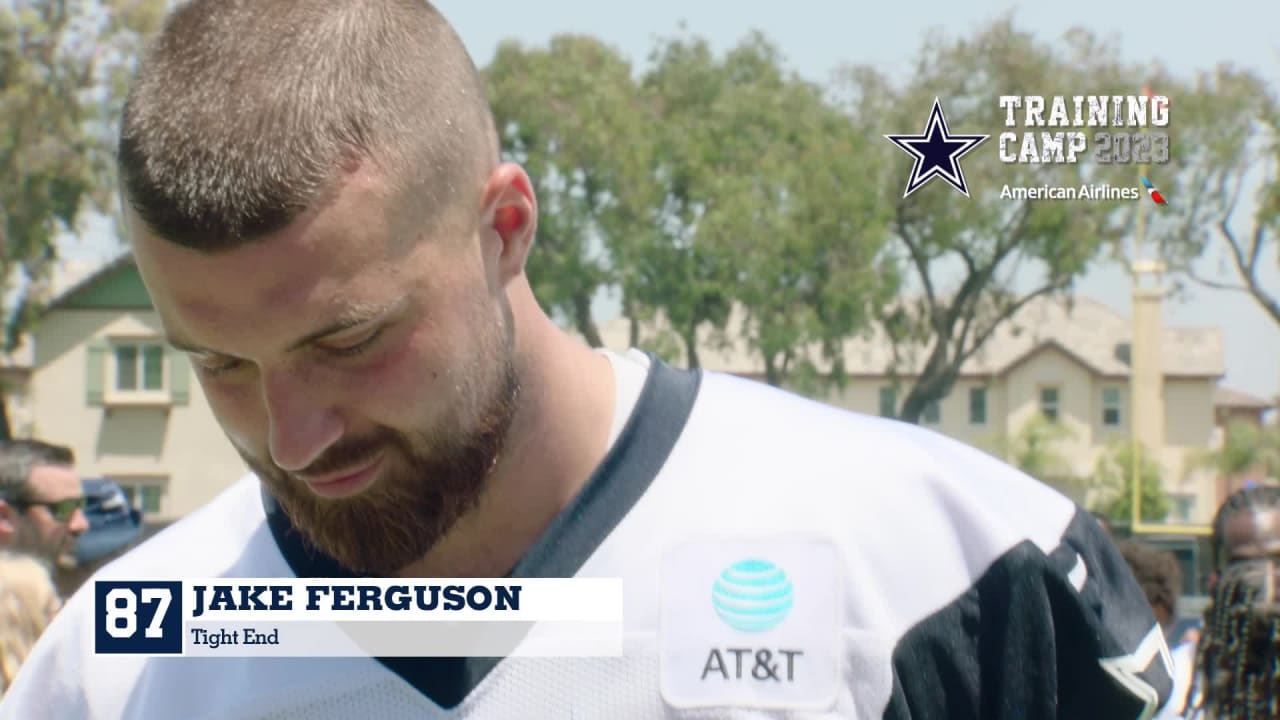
888, 402
139, 367
932, 414
1183, 505
144, 498
1049, 403
977, 406
1111, 407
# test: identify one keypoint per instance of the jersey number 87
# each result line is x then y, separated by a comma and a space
138, 617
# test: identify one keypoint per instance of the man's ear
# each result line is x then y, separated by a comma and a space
510, 217
8, 522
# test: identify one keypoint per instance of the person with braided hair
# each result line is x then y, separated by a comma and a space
1238, 658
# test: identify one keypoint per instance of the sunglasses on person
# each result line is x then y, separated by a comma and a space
61, 510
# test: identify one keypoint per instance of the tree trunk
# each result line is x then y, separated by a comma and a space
584, 322
6, 430
691, 348
772, 373
633, 333
935, 386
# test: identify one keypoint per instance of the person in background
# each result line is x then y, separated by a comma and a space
28, 602
41, 501
1160, 576
1238, 657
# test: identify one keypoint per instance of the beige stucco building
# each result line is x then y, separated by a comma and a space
1067, 361
102, 381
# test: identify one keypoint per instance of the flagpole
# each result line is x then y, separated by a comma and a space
1135, 382
1146, 372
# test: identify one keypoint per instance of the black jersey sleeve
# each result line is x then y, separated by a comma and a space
1064, 634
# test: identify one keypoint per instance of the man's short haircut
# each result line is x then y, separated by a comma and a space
245, 112
1157, 571
19, 457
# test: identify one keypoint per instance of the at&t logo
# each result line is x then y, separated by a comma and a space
752, 596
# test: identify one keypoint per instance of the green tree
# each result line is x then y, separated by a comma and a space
685, 272
1113, 477
974, 262
571, 115
1246, 448
62, 72
1036, 448
767, 209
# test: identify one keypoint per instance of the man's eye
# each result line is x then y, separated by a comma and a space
354, 345
213, 367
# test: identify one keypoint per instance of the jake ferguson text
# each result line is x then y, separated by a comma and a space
427, 598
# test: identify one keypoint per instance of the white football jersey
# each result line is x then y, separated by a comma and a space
781, 558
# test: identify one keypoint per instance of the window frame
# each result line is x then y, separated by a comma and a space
1118, 407
891, 393
142, 348
1041, 405
979, 392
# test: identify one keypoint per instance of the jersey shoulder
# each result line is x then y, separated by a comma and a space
863, 467
210, 542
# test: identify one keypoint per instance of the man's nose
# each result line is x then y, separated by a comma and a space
301, 423
78, 524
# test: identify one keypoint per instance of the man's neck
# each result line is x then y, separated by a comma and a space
558, 438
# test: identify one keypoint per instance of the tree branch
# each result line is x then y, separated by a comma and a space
1004, 315
917, 256
1259, 230
970, 264
1213, 284
1259, 225
973, 284
1269, 304
1241, 168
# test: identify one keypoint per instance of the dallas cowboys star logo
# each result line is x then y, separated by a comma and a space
937, 152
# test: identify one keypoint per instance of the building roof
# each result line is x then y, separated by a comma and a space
69, 277
22, 357
1229, 399
78, 279
1086, 330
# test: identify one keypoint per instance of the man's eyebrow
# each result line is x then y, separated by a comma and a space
349, 318
185, 346
352, 317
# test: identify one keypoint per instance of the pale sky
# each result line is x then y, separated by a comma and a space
817, 36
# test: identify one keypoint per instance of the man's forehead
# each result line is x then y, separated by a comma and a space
259, 283
48, 478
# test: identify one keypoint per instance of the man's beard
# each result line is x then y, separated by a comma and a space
56, 555
426, 483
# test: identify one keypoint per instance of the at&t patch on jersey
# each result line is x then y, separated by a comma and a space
751, 623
